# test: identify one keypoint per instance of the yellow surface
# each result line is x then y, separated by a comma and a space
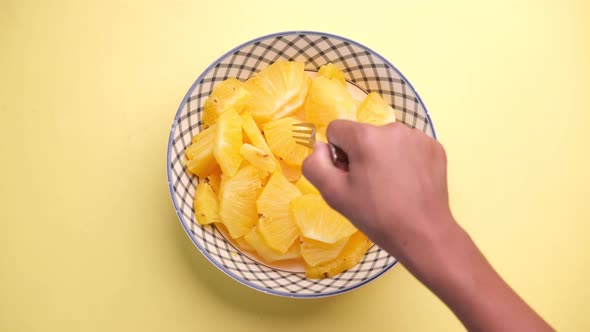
89, 240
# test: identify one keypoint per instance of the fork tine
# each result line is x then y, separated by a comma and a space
304, 131
307, 131
304, 124
305, 138
306, 144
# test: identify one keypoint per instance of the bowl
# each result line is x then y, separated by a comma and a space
364, 69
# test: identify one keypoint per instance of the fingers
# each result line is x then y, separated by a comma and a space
347, 135
327, 178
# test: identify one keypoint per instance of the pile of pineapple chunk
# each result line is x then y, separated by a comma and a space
249, 165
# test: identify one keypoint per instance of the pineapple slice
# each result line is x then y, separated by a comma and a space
276, 224
242, 244
306, 187
291, 173
352, 253
316, 252
329, 70
279, 135
228, 140
237, 201
376, 111
277, 90
214, 181
296, 104
258, 158
205, 204
201, 161
328, 100
253, 133
256, 241
318, 221
229, 94
320, 135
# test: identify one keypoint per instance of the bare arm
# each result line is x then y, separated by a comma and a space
395, 191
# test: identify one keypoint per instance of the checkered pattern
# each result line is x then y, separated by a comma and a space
362, 67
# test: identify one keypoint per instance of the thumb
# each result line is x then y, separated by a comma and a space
330, 180
348, 135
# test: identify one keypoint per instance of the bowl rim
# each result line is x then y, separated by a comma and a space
169, 170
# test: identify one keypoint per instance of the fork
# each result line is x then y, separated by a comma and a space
304, 134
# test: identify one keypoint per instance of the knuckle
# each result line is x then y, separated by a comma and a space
437, 150
441, 152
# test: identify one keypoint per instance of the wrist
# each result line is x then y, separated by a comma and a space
427, 252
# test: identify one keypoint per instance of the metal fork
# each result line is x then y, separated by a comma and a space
304, 134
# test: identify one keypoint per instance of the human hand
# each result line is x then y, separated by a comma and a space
395, 190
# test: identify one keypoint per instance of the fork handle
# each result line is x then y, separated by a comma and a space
339, 157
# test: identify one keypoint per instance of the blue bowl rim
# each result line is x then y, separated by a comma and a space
169, 170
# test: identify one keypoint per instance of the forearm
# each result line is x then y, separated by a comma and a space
454, 269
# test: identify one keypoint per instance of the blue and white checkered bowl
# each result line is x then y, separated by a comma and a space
363, 68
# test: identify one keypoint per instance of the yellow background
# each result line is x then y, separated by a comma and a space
89, 240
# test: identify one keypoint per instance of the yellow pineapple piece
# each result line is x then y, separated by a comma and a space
201, 160
375, 110
316, 252
256, 241
295, 106
318, 221
214, 181
228, 140
258, 158
279, 136
205, 204
237, 200
277, 90
300, 114
243, 245
329, 70
320, 135
306, 187
276, 224
253, 134
328, 100
291, 173
229, 94
352, 253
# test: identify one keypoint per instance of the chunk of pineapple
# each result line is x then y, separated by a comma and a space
318, 221
201, 160
258, 158
256, 241
277, 90
316, 252
305, 186
229, 94
375, 110
352, 253
253, 134
228, 140
243, 245
277, 227
329, 70
237, 200
328, 100
291, 173
215, 181
279, 135
205, 204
